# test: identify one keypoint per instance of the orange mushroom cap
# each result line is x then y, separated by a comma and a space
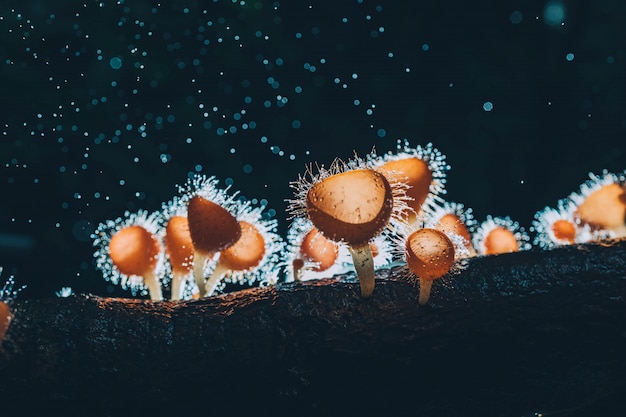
134, 250
352, 206
211, 226
500, 240
178, 244
429, 253
247, 252
316, 248
5, 319
604, 208
451, 223
564, 230
415, 173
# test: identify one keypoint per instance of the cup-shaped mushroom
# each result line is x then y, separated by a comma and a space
450, 223
317, 249
212, 229
135, 251
500, 240
352, 207
416, 174
429, 255
564, 230
605, 208
179, 249
243, 255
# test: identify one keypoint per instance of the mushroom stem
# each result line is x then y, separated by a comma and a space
364, 266
199, 259
425, 286
154, 288
214, 279
298, 266
178, 280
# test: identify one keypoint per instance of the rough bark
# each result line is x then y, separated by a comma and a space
510, 335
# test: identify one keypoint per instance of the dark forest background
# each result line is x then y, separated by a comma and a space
106, 106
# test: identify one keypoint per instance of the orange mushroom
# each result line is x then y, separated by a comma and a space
602, 203
179, 248
5, 319
422, 169
7, 294
429, 254
135, 251
498, 235
453, 219
130, 252
317, 249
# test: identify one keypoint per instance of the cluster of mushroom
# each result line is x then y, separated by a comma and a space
198, 242
361, 214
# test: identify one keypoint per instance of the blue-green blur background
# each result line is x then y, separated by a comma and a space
107, 105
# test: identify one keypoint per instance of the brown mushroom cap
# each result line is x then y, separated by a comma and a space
247, 252
5, 319
416, 173
316, 248
564, 230
604, 208
211, 226
500, 240
178, 244
134, 250
352, 206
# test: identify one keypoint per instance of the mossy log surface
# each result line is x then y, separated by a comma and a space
510, 335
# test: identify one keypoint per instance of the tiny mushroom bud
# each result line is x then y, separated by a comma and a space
430, 254
352, 206
130, 253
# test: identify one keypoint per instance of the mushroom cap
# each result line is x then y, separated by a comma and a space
5, 319
178, 244
247, 252
564, 230
317, 248
212, 227
429, 253
500, 240
352, 206
134, 250
604, 208
451, 223
415, 173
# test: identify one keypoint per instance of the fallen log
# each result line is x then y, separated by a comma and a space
524, 334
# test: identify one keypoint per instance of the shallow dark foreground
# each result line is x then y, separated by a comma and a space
512, 335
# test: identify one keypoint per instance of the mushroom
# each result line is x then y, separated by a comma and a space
497, 235
453, 218
351, 204
255, 257
179, 249
130, 252
602, 203
421, 169
7, 295
429, 255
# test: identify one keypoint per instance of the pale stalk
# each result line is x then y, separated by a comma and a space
178, 280
214, 279
425, 286
364, 266
199, 259
154, 287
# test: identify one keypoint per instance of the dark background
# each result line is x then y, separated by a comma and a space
199, 89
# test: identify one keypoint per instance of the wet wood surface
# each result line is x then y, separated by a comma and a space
511, 335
